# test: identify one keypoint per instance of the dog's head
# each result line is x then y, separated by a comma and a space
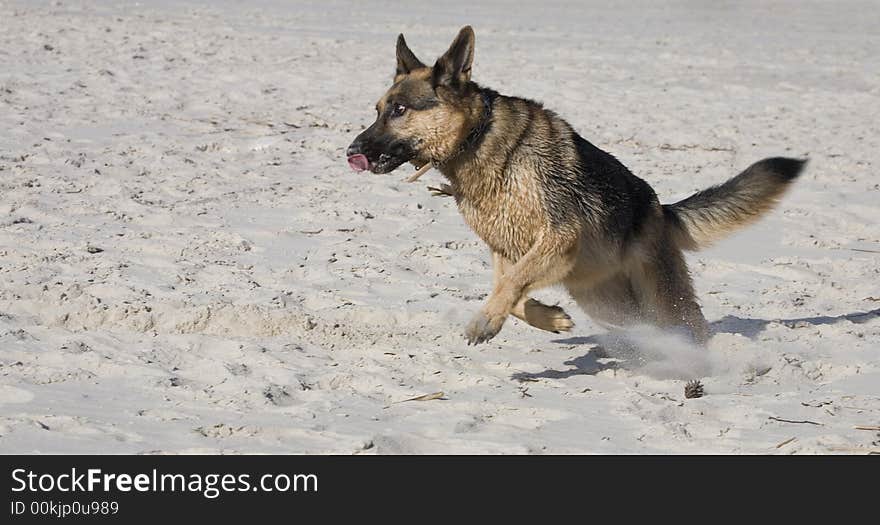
427, 112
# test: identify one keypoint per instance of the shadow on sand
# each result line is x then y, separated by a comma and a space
626, 353
731, 324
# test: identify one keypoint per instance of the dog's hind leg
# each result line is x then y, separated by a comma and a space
612, 302
665, 290
550, 318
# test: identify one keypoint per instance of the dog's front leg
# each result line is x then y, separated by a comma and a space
547, 262
535, 313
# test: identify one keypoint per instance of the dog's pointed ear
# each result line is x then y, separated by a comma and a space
406, 60
454, 67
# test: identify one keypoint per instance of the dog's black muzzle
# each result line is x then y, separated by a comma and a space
378, 154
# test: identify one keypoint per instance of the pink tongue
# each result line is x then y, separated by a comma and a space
359, 162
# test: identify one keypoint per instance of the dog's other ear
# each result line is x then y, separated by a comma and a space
406, 60
454, 67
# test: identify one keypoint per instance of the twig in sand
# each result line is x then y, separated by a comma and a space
871, 451
445, 190
862, 427
807, 422
684, 147
415, 176
786, 442
426, 397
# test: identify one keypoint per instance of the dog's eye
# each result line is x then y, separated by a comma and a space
398, 110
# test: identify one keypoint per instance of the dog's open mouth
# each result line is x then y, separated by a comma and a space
359, 162
385, 163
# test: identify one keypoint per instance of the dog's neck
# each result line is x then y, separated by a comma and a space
472, 141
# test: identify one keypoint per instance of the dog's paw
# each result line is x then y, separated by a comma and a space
445, 190
550, 318
554, 319
482, 328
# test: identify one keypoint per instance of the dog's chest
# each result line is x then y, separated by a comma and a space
507, 218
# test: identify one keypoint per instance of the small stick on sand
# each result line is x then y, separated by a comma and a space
426, 397
786, 442
861, 427
421, 171
805, 421
871, 451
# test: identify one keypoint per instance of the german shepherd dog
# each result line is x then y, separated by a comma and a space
554, 208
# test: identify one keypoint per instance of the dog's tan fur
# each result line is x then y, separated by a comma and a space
554, 209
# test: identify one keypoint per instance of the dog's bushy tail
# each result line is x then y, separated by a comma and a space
707, 216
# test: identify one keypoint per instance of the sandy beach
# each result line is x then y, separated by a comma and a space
188, 265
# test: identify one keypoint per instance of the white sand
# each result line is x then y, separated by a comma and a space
254, 295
